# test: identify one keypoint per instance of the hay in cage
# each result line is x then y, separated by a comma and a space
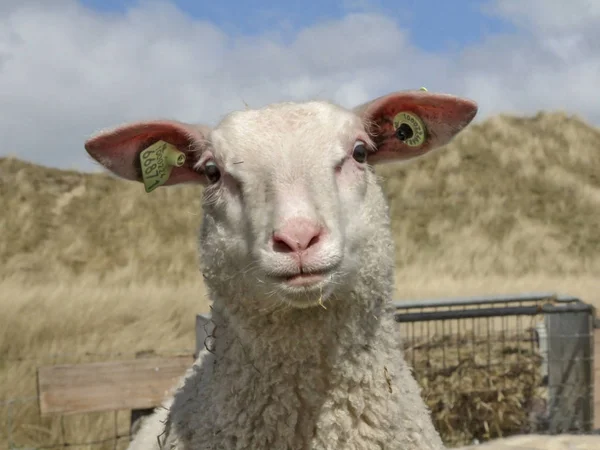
479, 389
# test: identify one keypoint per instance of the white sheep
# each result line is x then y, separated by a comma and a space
298, 258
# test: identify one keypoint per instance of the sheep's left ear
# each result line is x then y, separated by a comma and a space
119, 150
408, 124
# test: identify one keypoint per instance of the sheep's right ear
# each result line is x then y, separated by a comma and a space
118, 149
408, 124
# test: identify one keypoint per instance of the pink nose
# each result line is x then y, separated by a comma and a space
297, 235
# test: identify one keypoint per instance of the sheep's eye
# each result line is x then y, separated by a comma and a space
212, 172
360, 152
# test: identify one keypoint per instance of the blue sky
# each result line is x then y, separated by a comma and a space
71, 67
435, 25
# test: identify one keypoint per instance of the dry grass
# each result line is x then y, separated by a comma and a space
487, 392
93, 268
83, 322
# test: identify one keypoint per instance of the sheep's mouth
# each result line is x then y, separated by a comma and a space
302, 276
306, 288
305, 279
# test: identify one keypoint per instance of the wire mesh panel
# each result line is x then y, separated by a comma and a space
489, 366
570, 369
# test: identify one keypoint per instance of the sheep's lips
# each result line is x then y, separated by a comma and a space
305, 279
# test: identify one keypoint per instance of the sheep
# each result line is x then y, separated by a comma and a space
297, 256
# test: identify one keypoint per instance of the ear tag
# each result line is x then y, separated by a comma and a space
157, 161
423, 89
410, 129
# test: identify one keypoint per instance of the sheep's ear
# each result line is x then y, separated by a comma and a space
119, 149
408, 124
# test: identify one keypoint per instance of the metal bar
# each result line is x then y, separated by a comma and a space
483, 300
469, 313
570, 307
492, 312
567, 298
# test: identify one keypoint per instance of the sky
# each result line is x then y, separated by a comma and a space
71, 67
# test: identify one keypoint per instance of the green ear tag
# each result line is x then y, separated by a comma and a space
410, 129
157, 161
423, 89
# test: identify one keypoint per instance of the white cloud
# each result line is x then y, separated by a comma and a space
66, 71
549, 16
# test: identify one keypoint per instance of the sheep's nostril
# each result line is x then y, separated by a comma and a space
314, 240
297, 235
283, 245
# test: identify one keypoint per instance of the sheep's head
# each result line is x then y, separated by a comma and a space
289, 192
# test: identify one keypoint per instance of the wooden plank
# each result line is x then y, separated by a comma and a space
597, 379
108, 386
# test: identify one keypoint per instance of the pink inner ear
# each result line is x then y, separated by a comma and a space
118, 149
444, 116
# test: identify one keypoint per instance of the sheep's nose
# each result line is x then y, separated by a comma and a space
297, 235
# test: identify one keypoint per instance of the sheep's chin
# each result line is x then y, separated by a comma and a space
304, 293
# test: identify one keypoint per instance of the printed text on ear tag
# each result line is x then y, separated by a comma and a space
156, 163
410, 129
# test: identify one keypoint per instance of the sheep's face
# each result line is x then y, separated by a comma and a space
290, 196
286, 198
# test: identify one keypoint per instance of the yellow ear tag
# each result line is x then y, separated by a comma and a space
410, 129
423, 89
157, 161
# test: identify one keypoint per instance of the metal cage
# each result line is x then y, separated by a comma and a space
495, 366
